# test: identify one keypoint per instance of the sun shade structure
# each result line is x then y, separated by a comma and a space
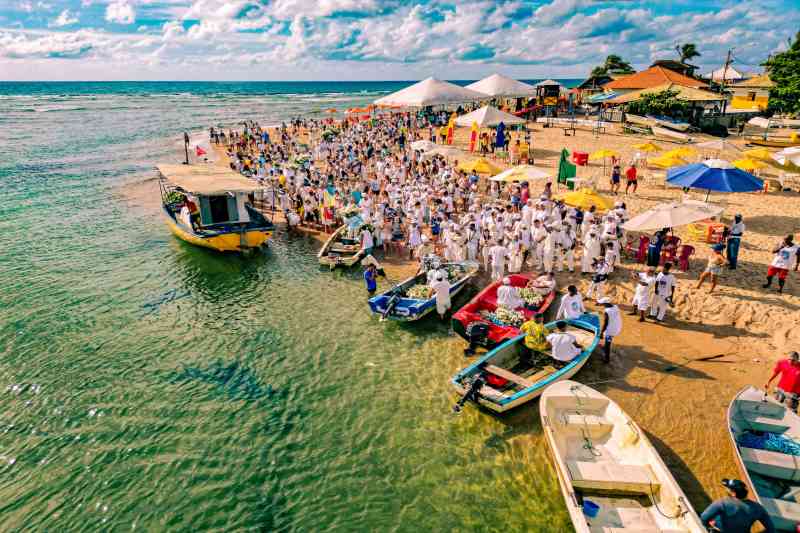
788, 155
209, 180
759, 153
749, 164
498, 85
647, 147
716, 146
672, 215
586, 198
481, 166
431, 92
488, 116
663, 161
682, 152
523, 173
445, 151
714, 175
602, 154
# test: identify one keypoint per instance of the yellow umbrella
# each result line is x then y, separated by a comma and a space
682, 152
586, 198
665, 161
481, 166
759, 153
647, 147
602, 154
749, 164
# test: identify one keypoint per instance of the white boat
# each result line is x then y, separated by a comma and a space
636, 119
670, 124
612, 478
759, 427
339, 250
669, 134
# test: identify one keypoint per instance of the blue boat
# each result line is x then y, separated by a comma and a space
502, 379
397, 304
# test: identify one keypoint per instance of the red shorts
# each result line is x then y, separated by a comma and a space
780, 272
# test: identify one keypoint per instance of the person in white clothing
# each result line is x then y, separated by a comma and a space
498, 254
612, 326
472, 237
568, 246
664, 291
786, 253
641, 297
564, 346
442, 290
571, 304
599, 279
591, 249
508, 296
538, 236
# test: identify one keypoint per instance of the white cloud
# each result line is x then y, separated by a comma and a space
52, 45
64, 19
120, 12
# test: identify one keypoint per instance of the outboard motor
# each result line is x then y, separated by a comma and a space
472, 389
391, 304
477, 334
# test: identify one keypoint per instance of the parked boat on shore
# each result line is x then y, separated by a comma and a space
340, 250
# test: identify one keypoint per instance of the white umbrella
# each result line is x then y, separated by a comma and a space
523, 173
446, 151
488, 116
672, 215
501, 86
431, 92
423, 145
716, 146
788, 155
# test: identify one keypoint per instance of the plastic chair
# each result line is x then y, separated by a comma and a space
672, 241
684, 253
668, 254
641, 253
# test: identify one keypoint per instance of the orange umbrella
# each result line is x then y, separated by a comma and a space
331, 110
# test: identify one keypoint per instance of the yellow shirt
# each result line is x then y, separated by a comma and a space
535, 335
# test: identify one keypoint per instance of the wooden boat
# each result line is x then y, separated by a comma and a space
227, 220
636, 119
665, 122
486, 301
398, 304
339, 250
669, 134
773, 476
521, 379
772, 143
611, 477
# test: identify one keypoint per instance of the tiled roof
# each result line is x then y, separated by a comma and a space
759, 81
653, 77
689, 94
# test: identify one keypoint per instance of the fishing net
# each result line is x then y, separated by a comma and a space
769, 441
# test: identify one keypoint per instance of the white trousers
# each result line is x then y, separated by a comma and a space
498, 271
569, 255
586, 263
658, 308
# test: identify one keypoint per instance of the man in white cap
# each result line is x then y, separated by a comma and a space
612, 325
508, 295
441, 288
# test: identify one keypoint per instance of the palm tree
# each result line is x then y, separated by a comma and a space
686, 52
615, 63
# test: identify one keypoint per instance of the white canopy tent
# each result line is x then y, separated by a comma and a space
488, 116
430, 92
498, 85
726, 74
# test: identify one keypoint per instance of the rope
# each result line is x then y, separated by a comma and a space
588, 445
681, 510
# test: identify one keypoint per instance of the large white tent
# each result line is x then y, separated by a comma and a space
501, 86
488, 116
431, 92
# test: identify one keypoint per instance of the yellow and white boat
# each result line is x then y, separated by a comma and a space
224, 219
339, 250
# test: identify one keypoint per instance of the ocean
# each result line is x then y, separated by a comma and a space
146, 384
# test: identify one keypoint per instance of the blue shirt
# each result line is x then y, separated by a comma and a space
733, 515
371, 280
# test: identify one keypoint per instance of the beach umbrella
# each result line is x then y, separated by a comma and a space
487, 117
480, 166
664, 161
423, 146
647, 147
523, 173
445, 151
717, 145
672, 215
714, 175
603, 154
683, 152
749, 164
586, 198
759, 153
788, 156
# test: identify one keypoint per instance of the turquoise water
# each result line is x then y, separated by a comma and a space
149, 385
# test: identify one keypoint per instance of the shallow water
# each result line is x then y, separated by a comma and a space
149, 385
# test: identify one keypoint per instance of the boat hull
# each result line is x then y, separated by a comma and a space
223, 242
410, 310
327, 259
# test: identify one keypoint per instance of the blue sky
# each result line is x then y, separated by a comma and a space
373, 39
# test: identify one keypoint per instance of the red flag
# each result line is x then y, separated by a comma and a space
199, 151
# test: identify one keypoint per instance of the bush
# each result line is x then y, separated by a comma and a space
664, 103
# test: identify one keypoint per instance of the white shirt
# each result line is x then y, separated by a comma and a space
442, 289
498, 254
642, 291
563, 346
664, 284
508, 296
614, 326
571, 307
785, 257
737, 229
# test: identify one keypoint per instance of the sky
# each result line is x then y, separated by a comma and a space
375, 39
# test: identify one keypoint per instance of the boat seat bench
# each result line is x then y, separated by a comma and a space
785, 514
772, 464
510, 376
610, 476
595, 426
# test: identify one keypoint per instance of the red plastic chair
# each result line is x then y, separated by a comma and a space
684, 253
641, 254
668, 254
672, 241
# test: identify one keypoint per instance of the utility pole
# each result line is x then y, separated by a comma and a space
728, 61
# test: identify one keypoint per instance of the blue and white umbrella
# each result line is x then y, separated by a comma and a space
714, 175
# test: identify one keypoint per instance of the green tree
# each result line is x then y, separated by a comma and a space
662, 103
687, 52
613, 63
784, 71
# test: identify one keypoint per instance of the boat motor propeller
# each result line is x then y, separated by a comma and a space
473, 389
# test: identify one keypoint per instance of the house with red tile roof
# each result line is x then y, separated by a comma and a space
655, 76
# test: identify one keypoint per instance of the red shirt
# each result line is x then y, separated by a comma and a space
790, 376
631, 173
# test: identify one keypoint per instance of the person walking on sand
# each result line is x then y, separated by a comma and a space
664, 292
641, 297
616, 174
612, 326
735, 513
498, 254
789, 385
571, 304
734, 240
631, 178
785, 254
714, 268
